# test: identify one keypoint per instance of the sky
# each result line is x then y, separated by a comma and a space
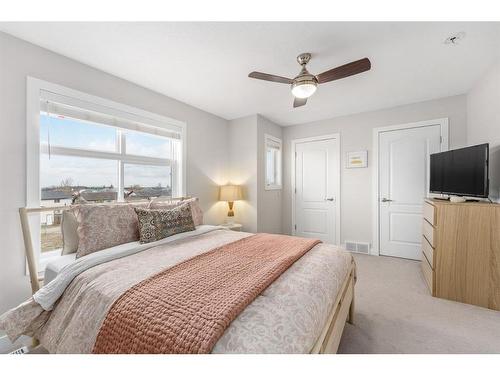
98, 172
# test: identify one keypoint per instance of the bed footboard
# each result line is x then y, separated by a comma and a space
342, 311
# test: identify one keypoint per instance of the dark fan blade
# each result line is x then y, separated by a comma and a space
346, 70
297, 102
270, 77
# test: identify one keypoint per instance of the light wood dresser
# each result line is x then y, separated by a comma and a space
461, 251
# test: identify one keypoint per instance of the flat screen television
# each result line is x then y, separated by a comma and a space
462, 172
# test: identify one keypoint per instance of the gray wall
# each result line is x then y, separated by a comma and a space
243, 169
206, 143
269, 206
483, 122
356, 134
260, 211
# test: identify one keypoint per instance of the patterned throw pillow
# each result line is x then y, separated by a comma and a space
155, 224
168, 205
69, 227
104, 226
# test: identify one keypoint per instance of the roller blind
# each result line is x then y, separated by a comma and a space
86, 111
273, 145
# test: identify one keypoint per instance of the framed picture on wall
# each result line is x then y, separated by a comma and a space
357, 159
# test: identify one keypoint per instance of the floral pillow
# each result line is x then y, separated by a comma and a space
69, 226
103, 226
155, 224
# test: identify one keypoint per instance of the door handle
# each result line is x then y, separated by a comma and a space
330, 199
386, 200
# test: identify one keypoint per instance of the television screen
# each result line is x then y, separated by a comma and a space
461, 172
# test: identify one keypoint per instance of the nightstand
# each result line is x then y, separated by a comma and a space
232, 226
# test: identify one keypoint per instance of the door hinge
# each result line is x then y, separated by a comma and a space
295, 226
295, 154
295, 190
440, 139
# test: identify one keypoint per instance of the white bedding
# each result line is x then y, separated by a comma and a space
53, 290
287, 317
54, 267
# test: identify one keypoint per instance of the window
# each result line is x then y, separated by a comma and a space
101, 151
273, 162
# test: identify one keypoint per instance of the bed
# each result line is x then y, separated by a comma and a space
304, 310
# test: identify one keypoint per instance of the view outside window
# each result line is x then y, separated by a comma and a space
71, 133
147, 181
144, 144
63, 176
81, 160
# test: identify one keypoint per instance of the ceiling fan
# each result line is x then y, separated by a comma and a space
305, 84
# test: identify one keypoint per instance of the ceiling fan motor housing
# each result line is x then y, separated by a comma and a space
305, 84
303, 58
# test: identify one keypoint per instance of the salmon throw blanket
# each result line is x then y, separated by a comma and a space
187, 308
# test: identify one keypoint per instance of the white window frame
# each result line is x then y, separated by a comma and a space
271, 140
34, 89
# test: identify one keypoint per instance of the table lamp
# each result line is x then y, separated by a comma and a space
229, 194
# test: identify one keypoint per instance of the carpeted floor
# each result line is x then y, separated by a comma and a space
394, 313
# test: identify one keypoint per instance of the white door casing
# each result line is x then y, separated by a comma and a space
316, 188
403, 180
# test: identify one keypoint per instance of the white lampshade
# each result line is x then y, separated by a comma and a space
230, 193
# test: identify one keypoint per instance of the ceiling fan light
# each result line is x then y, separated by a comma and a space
304, 86
303, 91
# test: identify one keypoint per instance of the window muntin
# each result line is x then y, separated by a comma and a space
272, 163
44, 98
83, 168
99, 163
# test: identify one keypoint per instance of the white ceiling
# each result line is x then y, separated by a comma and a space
206, 64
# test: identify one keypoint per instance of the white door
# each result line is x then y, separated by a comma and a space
316, 181
403, 185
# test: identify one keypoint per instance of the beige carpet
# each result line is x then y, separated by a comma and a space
395, 314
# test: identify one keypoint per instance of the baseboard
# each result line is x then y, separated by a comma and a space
6, 346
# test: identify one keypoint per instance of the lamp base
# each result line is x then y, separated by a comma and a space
230, 213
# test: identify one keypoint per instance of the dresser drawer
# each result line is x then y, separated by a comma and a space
428, 274
428, 251
428, 232
429, 213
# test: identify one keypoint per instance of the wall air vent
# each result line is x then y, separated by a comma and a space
358, 247
23, 350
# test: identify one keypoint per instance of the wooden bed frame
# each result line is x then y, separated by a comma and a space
342, 311
328, 341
